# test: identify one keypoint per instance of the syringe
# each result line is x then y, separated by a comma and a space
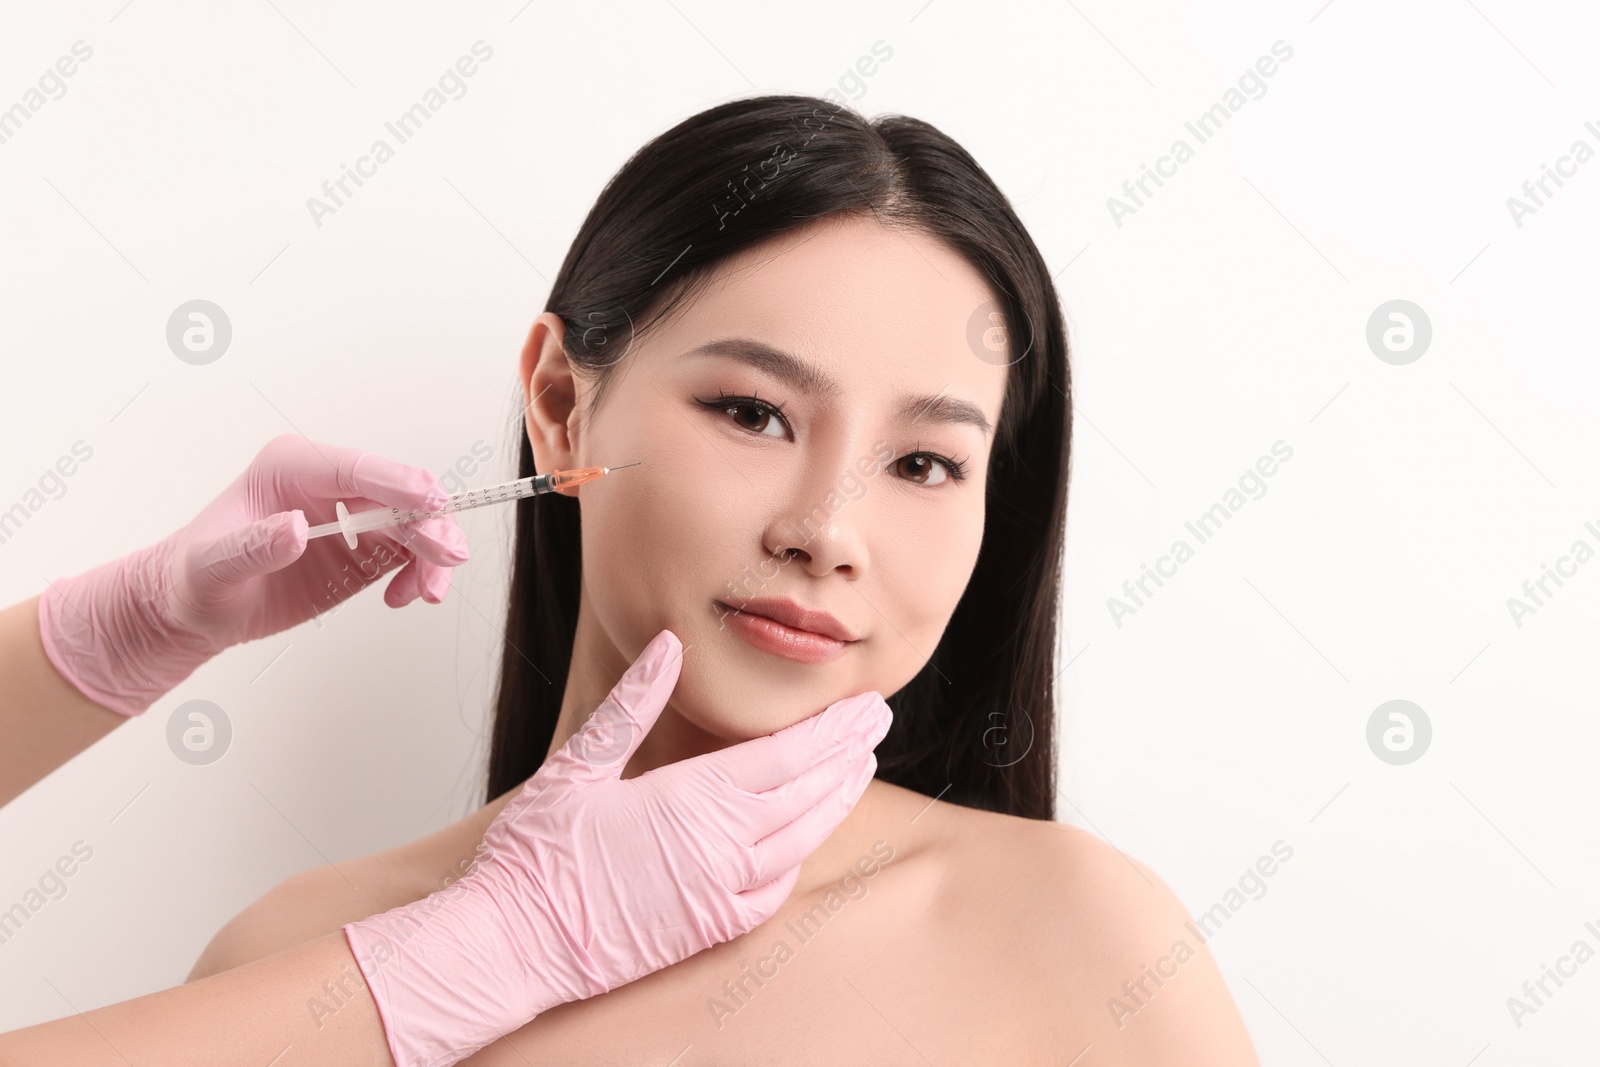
362, 521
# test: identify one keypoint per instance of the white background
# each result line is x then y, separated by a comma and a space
1227, 313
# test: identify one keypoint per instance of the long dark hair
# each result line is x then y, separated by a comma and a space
975, 726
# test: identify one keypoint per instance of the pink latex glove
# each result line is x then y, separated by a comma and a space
586, 881
127, 631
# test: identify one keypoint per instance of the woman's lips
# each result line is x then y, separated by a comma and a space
764, 634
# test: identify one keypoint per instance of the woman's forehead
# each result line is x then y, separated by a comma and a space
860, 305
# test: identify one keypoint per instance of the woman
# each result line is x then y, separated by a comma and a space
840, 361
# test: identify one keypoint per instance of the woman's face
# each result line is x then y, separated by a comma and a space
849, 502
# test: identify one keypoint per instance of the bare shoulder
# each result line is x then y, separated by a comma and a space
1106, 950
320, 900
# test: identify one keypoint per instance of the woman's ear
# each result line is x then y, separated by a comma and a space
550, 397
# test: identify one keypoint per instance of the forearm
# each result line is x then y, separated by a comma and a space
304, 1006
44, 720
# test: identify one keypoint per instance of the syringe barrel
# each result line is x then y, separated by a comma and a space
468, 499
494, 494
352, 523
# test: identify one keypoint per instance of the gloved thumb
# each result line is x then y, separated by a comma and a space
602, 746
262, 547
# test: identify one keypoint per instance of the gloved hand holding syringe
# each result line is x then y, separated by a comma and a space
129, 630
360, 522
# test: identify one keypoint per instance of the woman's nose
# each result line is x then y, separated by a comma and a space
824, 529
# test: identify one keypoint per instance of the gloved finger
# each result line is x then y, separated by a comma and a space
440, 541
437, 539
397, 484
403, 588
337, 472
762, 763
784, 803
433, 580
765, 900
602, 746
790, 844
391, 484
259, 547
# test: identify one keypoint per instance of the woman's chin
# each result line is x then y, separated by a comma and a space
729, 708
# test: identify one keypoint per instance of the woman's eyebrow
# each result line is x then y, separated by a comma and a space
808, 379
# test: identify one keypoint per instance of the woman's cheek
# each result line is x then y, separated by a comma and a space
930, 567
668, 547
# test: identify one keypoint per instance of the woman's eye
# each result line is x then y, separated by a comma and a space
924, 469
757, 418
